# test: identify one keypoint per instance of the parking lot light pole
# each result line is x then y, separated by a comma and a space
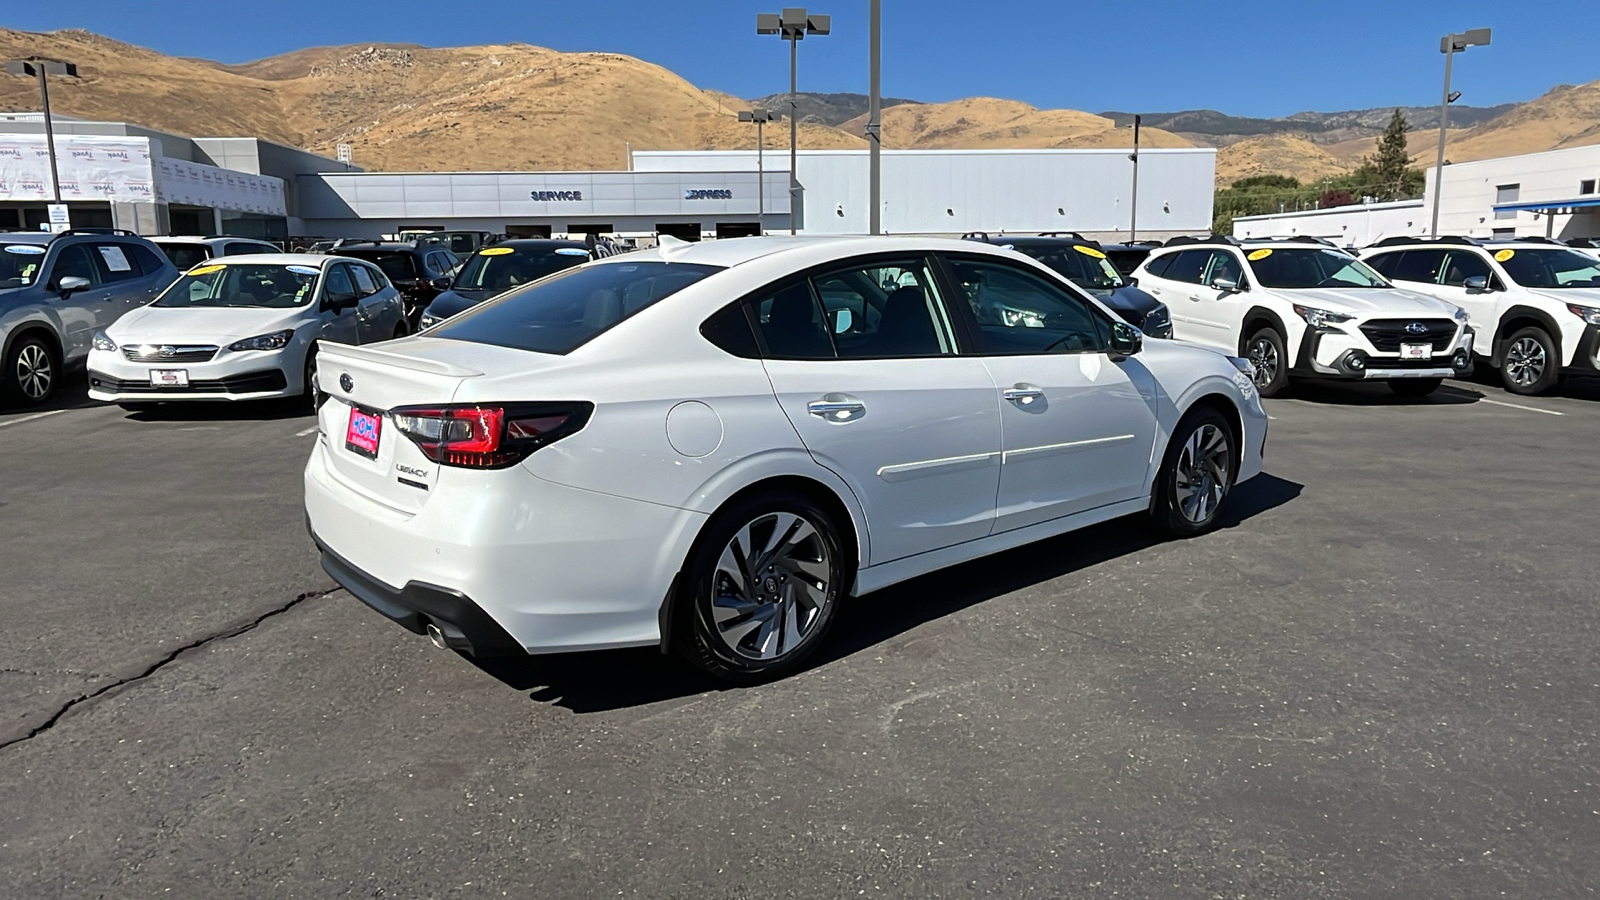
38, 67
1133, 207
1450, 45
793, 24
760, 117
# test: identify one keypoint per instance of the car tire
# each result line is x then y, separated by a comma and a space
1265, 350
1415, 387
1531, 364
1196, 474
309, 391
32, 371
400, 331
745, 625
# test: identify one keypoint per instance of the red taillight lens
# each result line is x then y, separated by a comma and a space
484, 436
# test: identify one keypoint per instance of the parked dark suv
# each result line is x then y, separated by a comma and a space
57, 290
419, 270
1084, 263
501, 267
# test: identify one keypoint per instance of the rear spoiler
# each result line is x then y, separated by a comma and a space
398, 360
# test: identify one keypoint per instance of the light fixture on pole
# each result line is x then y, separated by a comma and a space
1450, 45
793, 24
760, 117
39, 67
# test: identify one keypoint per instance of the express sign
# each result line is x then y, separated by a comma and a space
701, 194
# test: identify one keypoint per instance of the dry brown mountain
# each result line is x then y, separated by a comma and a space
1566, 116
1277, 154
985, 122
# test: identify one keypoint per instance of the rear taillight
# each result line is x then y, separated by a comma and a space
488, 436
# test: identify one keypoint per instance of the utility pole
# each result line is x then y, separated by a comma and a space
760, 117
1450, 45
874, 116
1133, 212
38, 66
793, 24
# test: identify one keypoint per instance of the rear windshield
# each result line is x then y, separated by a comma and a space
1295, 268
497, 270
565, 311
19, 265
260, 286
398, 266
1550, 268
185, 256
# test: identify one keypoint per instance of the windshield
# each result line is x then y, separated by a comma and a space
19, 265
1311, 268
1550, 268
503, 268
185, 256
562, 313
255, 286
398, 266
1082, 265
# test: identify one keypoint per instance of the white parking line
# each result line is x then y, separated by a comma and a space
1548, 412
32, 417
305, 431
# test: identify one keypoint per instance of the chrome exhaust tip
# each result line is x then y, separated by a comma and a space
437, 637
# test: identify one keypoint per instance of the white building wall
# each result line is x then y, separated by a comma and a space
1470, 190
1346, 226
955, 191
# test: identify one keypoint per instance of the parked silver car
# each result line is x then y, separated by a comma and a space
57, 290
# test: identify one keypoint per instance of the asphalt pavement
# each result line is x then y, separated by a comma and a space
1379, 680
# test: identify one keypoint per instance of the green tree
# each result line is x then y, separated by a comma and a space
1388, 170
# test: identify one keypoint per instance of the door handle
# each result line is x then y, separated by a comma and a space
1023, 394
835, 408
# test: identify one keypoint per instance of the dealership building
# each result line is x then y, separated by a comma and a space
118, 174
1550, 194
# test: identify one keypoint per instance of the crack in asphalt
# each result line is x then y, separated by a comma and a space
161, 663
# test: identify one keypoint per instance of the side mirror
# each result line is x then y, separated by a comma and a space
1132, 280
842, 319
67, 285
1225, 285
1126, 340
1477, 284
440, 284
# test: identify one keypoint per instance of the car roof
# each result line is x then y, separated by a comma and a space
25, 237
534, 243
203, 239
274, 259
731, 252
388, 247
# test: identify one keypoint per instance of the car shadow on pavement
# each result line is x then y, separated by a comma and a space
618, 679
223, 411
72, 392
1348, 393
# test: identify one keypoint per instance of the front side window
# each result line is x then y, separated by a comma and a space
562, 313
254, 286
339, 287
502, 268
1021, 312
1550, 268
74, 262
884, 310
792, 324
1224, 265
366, 285
1463, 264
1293, 267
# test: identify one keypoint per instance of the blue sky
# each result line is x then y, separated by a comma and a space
1244, 57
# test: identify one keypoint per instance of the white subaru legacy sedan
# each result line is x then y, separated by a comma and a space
708, 447
243, 328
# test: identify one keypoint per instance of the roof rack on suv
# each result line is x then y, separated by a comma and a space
1399, 240
1525, 240
1590, 243
79, 231
1069, 234
976, 236
1183, 239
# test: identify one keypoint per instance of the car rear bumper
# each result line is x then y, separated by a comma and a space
503, 559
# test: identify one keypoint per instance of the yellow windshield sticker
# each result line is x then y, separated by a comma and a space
1088, 251
494, 251
1263, 253
1504, 255
206, 270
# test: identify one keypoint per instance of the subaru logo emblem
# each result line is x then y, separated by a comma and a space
1416, 328
346, 382
168, 350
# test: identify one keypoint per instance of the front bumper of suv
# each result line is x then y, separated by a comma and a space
1345, 352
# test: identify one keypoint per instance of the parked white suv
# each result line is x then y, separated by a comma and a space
1536, 303
188, 251
1301, 308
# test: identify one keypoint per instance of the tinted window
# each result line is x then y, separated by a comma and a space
1292, 267
240, 248
1550, 268
1188, 266
495, 269
115, 263
1463, 264
1222, 264
366, 285
1022, 312
339, 286
565, 311
1417, 266
185, 256
1385, 263
729, 330
74, 261
398, 266
792, 324
1080, 264
1159, 264
884, 310
148, 261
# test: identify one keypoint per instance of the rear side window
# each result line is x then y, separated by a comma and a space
116, 263
148, 261
1418, 265
729, 331
1188, 266
562, 313
1158, 266
185, 256
1385, 263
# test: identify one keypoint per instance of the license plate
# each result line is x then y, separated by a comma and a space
362, 434
1416, 351
169, 378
